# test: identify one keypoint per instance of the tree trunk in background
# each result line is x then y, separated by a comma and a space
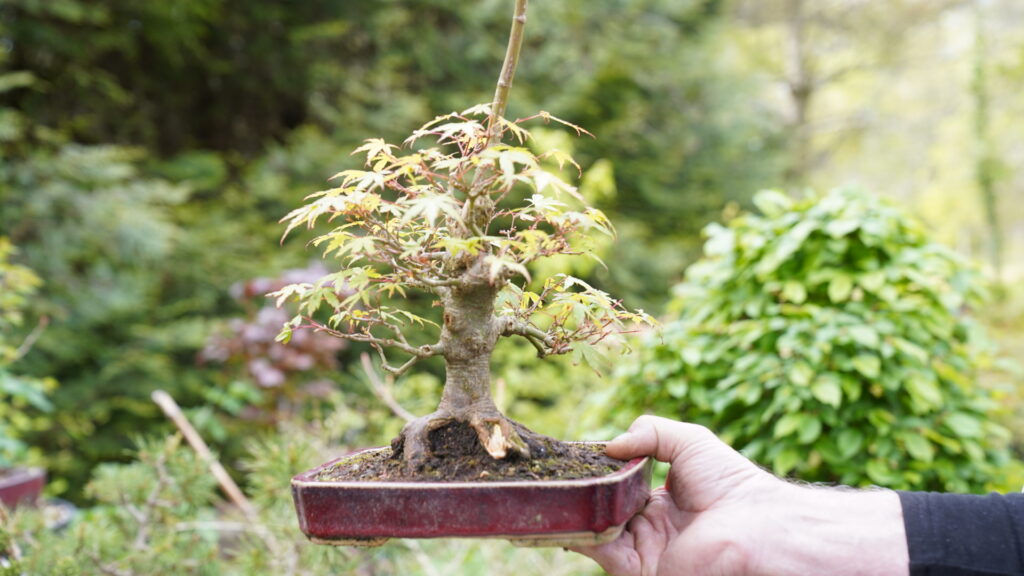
986, 160
801, 86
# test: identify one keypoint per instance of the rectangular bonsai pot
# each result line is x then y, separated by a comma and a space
530, 513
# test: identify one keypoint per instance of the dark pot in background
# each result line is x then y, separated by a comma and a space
21, 485
529, 513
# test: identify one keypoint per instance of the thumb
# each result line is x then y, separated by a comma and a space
661, 438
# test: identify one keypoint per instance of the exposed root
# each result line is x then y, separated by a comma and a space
414, 441
498, 437
495, 436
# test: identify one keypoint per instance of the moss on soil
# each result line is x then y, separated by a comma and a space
458, 457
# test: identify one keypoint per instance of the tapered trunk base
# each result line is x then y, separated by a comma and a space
486, 433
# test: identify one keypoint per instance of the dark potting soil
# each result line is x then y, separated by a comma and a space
459, 457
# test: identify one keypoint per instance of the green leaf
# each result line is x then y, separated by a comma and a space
827, 390
13, 80
924, 391
794, 292
864, 335
841, 227
911, 349
583, 353
869, 365
772, 203
785, 246
879, 472
430, 207
810, 429
839, 288
786, 425
677, 388
964, 425
27, 389
691, 355
918, 446
800, 373
872, 281
849, 442
786, 461
501, 266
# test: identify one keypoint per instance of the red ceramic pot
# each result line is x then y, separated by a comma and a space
21, 485
530, 513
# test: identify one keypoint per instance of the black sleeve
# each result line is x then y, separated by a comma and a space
964, 535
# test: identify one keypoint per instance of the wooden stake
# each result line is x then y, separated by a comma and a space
227, 484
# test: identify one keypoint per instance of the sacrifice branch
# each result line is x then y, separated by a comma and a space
508, 72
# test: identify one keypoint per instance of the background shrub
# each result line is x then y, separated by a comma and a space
829, 339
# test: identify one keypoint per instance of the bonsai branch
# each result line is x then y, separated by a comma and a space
418, 352
541, 340
437, 282
382, 389
391, 369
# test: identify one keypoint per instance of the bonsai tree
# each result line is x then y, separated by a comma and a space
459, 211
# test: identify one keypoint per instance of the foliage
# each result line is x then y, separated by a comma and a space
161, 515
130, 287
240, 74
22, 398
435, 218
830, 339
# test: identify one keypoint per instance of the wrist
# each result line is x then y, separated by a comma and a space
840, 531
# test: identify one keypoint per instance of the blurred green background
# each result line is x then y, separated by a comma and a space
148, 149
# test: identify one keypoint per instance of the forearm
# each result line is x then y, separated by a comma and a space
834, 531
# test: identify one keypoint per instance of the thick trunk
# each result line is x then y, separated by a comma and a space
467, 384
468, 336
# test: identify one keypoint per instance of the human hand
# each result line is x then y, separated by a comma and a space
721, 515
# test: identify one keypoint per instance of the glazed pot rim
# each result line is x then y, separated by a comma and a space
17, 474
307, 479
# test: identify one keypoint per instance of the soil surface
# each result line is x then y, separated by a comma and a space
459, 457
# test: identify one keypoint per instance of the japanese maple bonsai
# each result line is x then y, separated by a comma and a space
444, 220
459, 211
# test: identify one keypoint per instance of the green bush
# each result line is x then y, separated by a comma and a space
829, 339
23, 400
